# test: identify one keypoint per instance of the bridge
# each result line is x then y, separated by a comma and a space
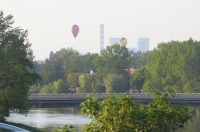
74, 100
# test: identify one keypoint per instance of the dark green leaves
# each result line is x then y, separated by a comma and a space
16, 70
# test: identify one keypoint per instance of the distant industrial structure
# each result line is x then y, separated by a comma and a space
143, 44
114, 41
101, 37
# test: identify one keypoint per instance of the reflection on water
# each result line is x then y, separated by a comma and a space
51, 117
194, 124
58, 117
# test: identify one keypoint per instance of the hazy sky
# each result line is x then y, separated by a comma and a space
49, 22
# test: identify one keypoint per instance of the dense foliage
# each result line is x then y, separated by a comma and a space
90, 83
138, 79
88, 72
113, 64
113, 59
174, 66
64, 62
116, 83
16, 70
123, 114
66, 65
171, 67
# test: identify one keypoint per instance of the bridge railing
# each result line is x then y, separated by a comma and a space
85, 95
104, 95
188, 95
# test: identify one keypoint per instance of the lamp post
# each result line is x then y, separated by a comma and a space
129, 72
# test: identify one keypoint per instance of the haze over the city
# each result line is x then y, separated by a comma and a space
49, 22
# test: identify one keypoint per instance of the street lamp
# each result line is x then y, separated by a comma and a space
129, 72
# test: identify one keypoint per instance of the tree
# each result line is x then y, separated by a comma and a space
125, 115
87, 84
90, 83
51, 71
73, 80
116, 83
64, 62
139, 59
174, 66
138, 79
17, 73
87, 62
113, 59
58, 64
59, 86
47, 89
35, 88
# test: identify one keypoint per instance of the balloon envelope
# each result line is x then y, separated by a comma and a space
123, 41
75, 30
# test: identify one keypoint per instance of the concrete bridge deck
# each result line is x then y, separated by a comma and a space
64, 100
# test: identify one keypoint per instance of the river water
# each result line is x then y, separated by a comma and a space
51, 118
58, 117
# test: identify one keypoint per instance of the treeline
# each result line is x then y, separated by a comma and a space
171, 67
174, 67
68, 70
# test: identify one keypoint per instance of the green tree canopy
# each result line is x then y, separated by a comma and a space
16, 70
113, 59
59, 86
125, 115
174, 66
90, 83
139, 59
116, 83
73, 79
47, 89
64, 62
138, 79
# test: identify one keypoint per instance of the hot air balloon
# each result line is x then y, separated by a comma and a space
75, 30
123, 42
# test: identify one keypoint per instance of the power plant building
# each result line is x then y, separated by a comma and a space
101, 37
143, 44
114, 41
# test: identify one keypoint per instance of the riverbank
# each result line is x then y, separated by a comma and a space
33, 129
26, 127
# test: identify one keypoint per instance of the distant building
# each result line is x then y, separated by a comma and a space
143, 44
114, 41
101, 37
